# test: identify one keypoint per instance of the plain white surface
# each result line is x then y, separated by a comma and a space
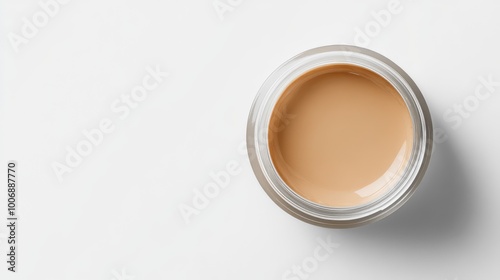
116, 216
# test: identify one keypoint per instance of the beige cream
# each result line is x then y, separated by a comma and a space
340, 135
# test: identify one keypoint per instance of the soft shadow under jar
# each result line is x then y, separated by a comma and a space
339, 136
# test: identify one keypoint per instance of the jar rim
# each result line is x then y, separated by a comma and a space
284, 195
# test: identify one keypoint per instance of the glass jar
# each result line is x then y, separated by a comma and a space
309, 211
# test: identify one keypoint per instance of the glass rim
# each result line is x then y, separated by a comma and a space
284, 195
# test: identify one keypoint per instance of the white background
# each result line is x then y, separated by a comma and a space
116, 215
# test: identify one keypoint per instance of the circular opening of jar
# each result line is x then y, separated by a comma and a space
340, 135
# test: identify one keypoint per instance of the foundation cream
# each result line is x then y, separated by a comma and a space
345, 134
340, 135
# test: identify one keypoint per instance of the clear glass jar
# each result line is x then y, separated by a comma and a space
286, 197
